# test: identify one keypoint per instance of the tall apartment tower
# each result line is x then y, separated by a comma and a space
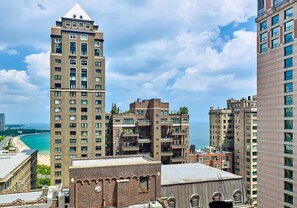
150, 128
77, 92
235, 129
2, 121
277, 124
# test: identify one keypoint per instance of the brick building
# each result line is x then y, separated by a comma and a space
149, 127
114, 181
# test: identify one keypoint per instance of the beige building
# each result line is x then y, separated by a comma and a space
18, 171
149, 127
77, 92
276, 85
235, 128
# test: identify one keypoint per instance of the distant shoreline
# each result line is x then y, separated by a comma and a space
42, 158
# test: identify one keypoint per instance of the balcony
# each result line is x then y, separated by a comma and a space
178, 159
130, 134
167, 139
147, 140
130, 148
166, 153
166, 123
143, 123
178, 133
178, 146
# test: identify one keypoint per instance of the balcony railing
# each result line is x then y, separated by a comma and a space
143, 123
166, 139
146, 140
130, 148
130, 134
178, 146
277, 3
166, 153
178, 159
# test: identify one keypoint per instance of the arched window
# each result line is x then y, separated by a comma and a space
217, 196
195, 201
171, 202
237, 197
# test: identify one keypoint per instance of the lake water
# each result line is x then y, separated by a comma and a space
199, 136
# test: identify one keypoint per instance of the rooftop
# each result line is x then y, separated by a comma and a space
26, 196
77, 12
191, 173
12, 161
112, 161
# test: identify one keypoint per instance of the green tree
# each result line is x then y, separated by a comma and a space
184, 110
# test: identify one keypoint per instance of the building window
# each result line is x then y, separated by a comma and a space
289, 50
98, 140
72, 62
263, 48
57, 173
58, 165
84, 62
98, 125
57, 101
58, 48
72, 125
57, 69
289, 161
98, 63
72, 118
289, 75
289, 87
288, 124
83, 37
288, 199
288, 137
289, 25
288, 99
57, 118
57, 77
275, 43
237, 196
143, 184
74, 24
98, 102
98, 87
67, 23
72, 133
72, 149
72, 101
97, 52
57, 93
288, 149
84, 148
81, 25
98, 148
84, 77
263, 37
84, 140
57, 149
84, 110
195, 201
275, 32
72, 36
72, 94
263, 26
288, 13
57, 61
84, 118
288, 174
57, 109
87, 25
58, 141
72, 141
98, 71
98, 117
217, 196
72, 48
84, 49
288, 37
84, 102
275, 20
58, 40
288, 112
58, 157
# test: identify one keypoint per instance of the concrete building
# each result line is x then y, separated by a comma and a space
2, 121
276, 85
239, 119
77, 92
128, 181
149, 127
19, 172
214, 158
221, 134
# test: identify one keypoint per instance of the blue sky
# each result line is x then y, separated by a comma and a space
195, 54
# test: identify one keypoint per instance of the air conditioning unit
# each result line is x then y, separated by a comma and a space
155, 204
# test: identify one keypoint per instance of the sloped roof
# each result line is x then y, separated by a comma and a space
78, 11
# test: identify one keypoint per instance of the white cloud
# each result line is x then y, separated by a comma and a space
12, 52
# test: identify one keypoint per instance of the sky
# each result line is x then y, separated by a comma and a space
194, 53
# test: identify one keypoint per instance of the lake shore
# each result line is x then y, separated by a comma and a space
42, 158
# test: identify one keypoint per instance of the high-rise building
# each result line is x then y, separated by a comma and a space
235, 129
149, 127
2, 121
276, 84
77, 92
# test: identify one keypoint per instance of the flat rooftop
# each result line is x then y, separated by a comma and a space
10, 161
112, 161
26, 196
192, 172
